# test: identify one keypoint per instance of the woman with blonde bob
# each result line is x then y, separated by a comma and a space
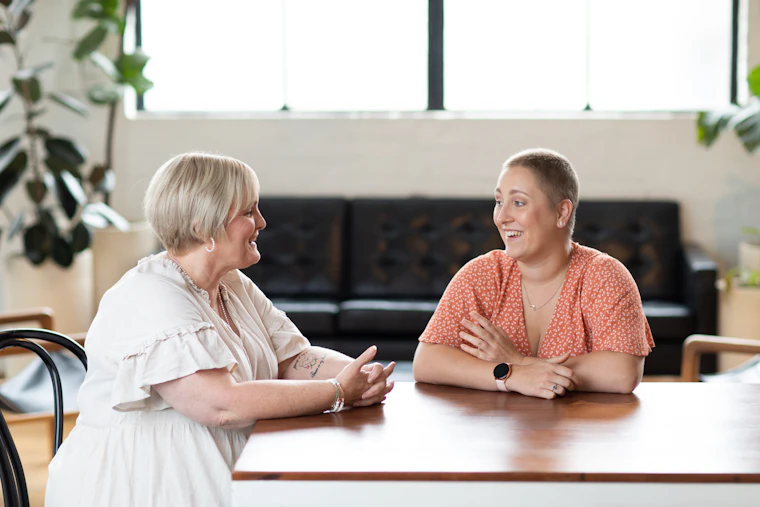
186, 353
545, 315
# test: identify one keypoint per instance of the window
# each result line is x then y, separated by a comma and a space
397, 55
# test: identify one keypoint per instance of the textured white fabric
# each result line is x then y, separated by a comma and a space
129, 446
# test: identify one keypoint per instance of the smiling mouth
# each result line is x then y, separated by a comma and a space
513, 234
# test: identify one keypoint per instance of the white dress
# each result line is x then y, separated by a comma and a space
129, 446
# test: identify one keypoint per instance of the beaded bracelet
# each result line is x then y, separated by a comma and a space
337, 406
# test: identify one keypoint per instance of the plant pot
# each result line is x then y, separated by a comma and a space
749, 255
738, 317
116, 252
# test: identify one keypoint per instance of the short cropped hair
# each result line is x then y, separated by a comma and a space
190, 198
554, 174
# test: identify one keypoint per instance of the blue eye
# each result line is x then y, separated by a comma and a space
499, 203
519, 204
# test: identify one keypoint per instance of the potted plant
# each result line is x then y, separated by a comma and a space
55, 228
739, 294
115, 249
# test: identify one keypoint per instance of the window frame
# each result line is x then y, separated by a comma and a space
436, 88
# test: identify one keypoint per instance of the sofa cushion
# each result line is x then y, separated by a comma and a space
301, 248
668, 320
645, 236
313, 318
411, 248
382, 317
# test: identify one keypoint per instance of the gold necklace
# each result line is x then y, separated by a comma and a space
219, 290
534, 307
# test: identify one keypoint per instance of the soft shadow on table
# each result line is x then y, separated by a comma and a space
354, 419
577, 405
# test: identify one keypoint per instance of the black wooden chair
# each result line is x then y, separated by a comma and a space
12, 473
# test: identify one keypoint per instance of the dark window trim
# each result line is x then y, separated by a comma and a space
734, 51
435, 53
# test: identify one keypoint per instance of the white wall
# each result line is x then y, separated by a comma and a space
634, 156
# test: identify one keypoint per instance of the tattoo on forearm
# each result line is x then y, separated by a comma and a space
309, 361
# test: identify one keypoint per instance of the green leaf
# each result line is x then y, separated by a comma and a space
92, 218
36, 189
102, 179
751, 231
28, 88
17, 7
711, 123
90, 42
87, 9
104, 93
69, 102
23, 20
753, 80
37, 244
6, 38
16, 225
70, 193
111, 7
56, 165
32, 71
109, 214
63, 253
81, 237
5, 97
11, 175
48, 221
106, 65
66, 151
8, 151
140, 84
746, 124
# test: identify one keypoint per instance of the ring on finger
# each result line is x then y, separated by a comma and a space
554, 387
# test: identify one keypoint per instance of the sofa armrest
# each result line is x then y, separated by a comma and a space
698, 344
699, 291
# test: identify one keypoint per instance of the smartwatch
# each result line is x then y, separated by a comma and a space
501, 373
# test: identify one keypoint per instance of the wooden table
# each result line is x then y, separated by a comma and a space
666, 444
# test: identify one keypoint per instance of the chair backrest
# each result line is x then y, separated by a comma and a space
11, 472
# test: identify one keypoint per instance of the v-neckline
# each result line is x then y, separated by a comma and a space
550, 326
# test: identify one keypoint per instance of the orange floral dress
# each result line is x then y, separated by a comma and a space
599, 306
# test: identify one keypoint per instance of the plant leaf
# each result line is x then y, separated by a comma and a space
90, 42
23, 20
37, 243
69, 102
746, 124
109, 214
81, 237
102, 179
36, 189
5, 97
67, 151
28, 72
8, 151
17, 7
132, 64
6, 38
140, 84
70, 193
16, 225
63, 253
753, 80
711, 123
106, 65
28, 88
92, 218
87, 9
11, 175
104, 93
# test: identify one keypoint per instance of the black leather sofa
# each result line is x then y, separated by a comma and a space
351, 273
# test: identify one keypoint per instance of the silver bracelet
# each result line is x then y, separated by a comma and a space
337, 406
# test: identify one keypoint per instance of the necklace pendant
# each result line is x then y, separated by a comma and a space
533, 307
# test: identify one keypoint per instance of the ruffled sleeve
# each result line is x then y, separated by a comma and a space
168, 355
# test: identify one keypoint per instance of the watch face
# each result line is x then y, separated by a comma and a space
501, 370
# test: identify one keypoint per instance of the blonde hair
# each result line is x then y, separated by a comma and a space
554, 174
190, 198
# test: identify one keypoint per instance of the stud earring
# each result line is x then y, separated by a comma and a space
213, 245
